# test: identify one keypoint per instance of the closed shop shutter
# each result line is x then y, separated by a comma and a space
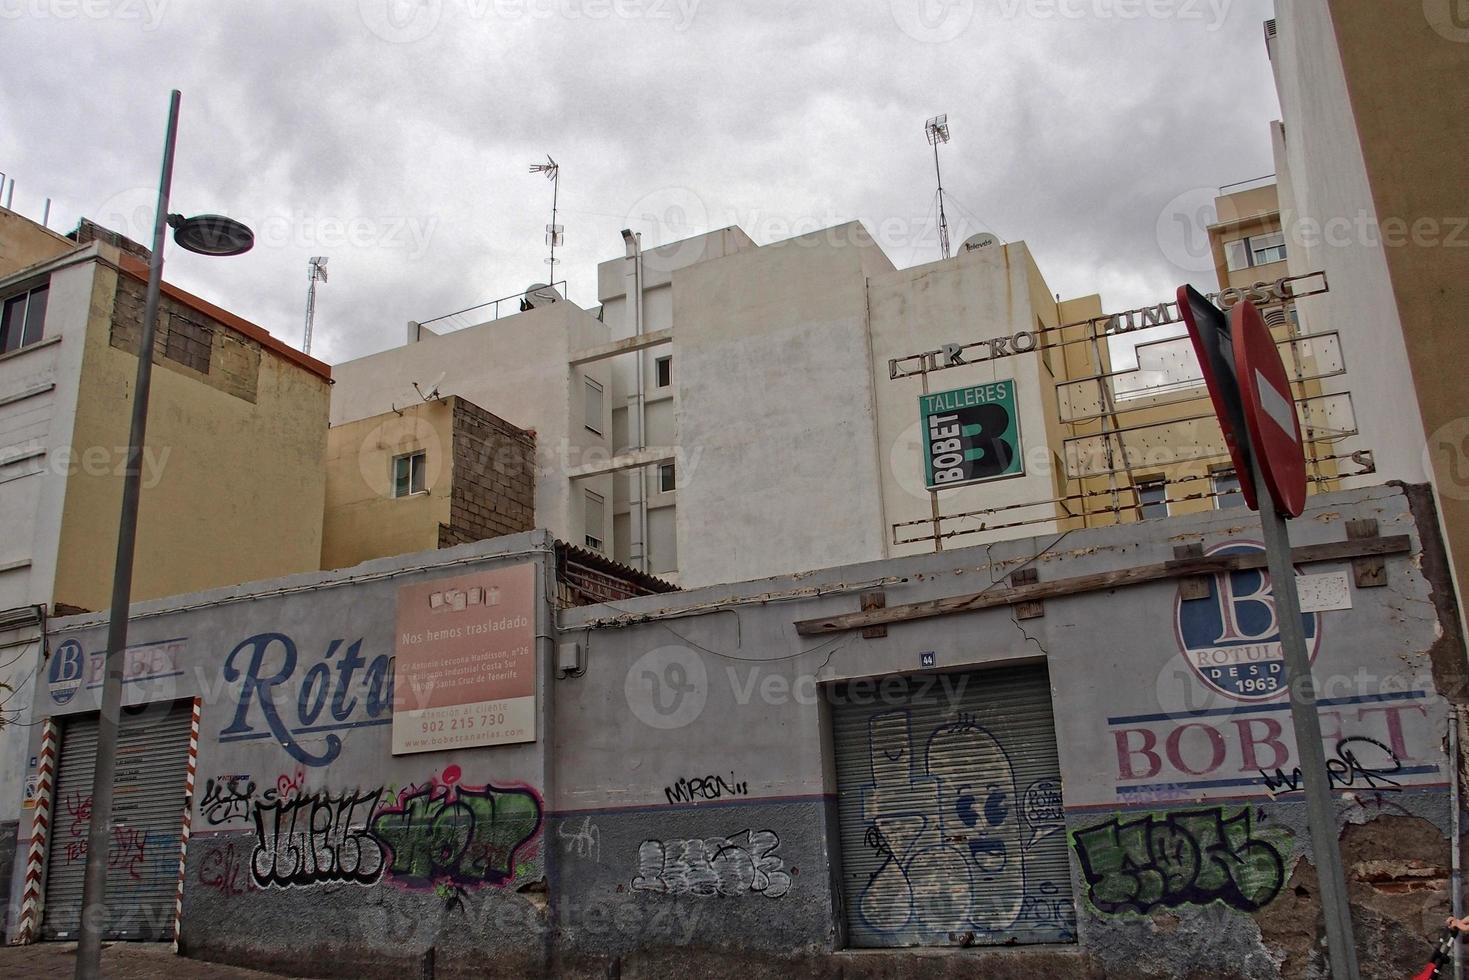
147, 815
949, 805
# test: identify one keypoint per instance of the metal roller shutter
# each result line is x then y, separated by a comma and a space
949, 806
147, 814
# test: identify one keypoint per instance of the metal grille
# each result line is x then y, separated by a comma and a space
148, 801
949, 805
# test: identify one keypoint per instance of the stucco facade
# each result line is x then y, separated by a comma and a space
1372, 195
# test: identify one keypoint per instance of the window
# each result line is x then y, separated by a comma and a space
594, 406
23, 319
667, 480
594, 516
1152, 497
1237, 254
1265, 249
409, 474
1226, 488
188, 342
1259, 250
663, 371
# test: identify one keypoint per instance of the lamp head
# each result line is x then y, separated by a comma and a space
211, 234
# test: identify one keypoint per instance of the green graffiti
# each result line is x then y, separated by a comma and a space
1186, 857
459, 836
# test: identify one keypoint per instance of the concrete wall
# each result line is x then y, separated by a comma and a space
773, 375
23, 243
39, 385
1332, 197
1413, 150
267, 753
517, 368
232, 474
713, 689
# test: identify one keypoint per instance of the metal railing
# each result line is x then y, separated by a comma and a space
471, 316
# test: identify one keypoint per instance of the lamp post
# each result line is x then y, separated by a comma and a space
207, 234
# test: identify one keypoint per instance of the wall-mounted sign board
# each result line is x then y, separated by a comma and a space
971, 435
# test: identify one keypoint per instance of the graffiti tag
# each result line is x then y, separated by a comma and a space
315, 839
743, 863
453, 834
1187, 857
709, 787
1347, 770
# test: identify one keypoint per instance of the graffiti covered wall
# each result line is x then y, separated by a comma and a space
315, 849
715, 794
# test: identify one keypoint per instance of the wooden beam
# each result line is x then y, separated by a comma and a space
604, 351
1097, 581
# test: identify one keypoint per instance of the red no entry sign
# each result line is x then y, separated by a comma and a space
1269, 409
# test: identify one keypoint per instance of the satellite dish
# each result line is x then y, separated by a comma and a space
539, 294
983, 240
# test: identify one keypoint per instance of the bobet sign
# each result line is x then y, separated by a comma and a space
971, 435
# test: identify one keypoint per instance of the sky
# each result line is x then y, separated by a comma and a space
395, 136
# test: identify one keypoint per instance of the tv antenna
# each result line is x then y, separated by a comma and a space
316, 274
554, 234
937, 131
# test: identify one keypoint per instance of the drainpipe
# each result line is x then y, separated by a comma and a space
1457, 875
636, 419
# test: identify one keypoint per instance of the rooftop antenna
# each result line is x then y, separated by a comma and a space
554, 235
937, 131
316, 274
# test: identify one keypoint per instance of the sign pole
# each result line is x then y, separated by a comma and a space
1315, 779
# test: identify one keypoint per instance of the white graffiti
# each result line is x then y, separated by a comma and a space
742, 863
584, 843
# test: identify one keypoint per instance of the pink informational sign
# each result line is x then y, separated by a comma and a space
466, 667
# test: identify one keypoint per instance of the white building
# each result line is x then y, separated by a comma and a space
767, 392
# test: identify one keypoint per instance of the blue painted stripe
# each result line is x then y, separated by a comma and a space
312, 730
139, 680
1244, 709
1260, 781
1174, 802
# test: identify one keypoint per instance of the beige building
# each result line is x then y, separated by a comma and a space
515, 365
234, 445
431, 475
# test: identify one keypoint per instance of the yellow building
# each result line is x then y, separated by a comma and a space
232, 477
430, 475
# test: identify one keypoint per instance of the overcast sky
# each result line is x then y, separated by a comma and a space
395, 135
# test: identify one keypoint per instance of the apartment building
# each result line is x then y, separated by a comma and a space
232, 480
1369, 158
511, 360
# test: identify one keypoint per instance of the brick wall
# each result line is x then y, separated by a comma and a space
187, 341
494, 481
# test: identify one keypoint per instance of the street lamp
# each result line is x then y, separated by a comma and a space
207, 234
